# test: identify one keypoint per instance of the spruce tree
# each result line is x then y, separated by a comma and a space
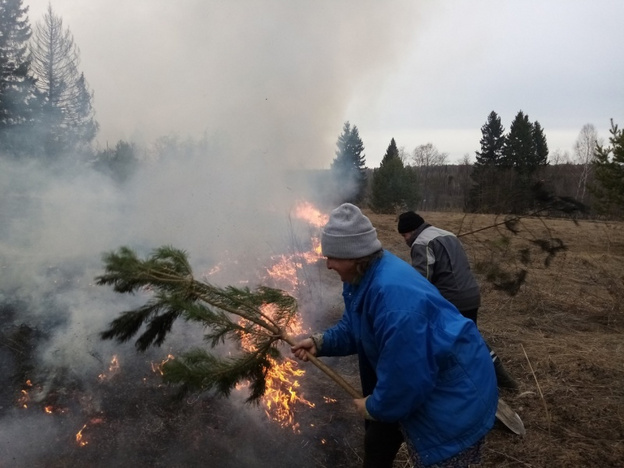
541, 147
392, 189
608, 166
18, 94
485, 194
492, 142
69, 115
519, 149
525, 152
349, 166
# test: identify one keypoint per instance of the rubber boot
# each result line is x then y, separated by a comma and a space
503, 378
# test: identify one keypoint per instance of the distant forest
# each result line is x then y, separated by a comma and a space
512, 174
447, 187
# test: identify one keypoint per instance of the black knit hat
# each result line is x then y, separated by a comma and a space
409, 221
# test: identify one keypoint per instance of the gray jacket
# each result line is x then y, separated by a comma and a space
440, 257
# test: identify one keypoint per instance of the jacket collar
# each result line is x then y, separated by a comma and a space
358, 291
417, 232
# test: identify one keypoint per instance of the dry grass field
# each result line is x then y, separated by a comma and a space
560, 335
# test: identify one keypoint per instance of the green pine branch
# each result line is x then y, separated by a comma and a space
227, 314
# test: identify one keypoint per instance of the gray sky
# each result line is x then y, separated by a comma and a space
281, 77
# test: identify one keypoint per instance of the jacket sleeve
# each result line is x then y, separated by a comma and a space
422, 259
338, 340
406, 369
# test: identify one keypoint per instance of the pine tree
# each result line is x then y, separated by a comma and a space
18, 94
608, 168
349, 167
392, 189
69, 115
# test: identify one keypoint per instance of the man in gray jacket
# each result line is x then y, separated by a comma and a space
440, 257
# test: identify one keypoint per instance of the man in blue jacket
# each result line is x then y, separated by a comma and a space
426, 373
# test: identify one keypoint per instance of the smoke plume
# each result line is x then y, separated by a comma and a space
266, 108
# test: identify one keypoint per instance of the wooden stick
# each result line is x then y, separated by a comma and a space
336, 377
328, 370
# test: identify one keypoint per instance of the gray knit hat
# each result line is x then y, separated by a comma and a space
349, 234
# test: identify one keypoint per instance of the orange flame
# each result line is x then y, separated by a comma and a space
282, 386
158, 367
281, 394
315, 254
113, 368
24, 397
308, 212
285, 272
79, 438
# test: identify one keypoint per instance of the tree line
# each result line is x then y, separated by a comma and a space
512, 174
47, 112
46, 105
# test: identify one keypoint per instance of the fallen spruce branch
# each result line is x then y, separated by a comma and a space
260, 317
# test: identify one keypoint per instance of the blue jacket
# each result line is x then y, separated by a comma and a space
423, 364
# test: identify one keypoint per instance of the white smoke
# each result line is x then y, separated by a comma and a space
274, 81
277, 78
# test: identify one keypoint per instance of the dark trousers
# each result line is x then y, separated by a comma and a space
382, 441
470, 314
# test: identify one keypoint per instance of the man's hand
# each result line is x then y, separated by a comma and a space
360, 407
302, 348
